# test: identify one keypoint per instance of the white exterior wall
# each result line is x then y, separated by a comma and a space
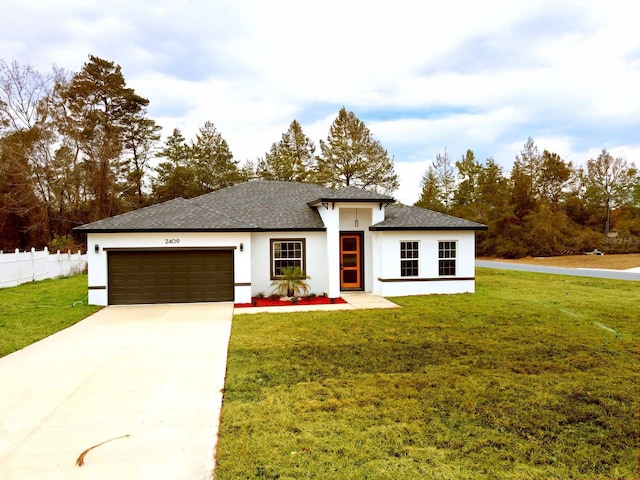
315, 260
331, 219
322, 255
98, 275
387, 260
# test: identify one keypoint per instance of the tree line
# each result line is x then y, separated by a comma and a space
79, 147
75, 148
545, 206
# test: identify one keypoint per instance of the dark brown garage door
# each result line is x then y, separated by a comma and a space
170, 276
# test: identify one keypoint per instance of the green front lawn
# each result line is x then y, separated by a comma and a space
526, 379
32, 311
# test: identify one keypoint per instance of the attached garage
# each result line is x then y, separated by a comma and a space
170, 276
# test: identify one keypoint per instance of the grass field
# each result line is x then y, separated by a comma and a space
533, 377
33, 311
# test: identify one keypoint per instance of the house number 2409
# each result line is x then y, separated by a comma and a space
171, 241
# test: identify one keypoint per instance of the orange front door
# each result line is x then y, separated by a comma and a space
350, 261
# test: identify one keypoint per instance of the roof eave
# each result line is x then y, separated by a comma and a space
471, 228
297, 229
196, 230
320, 201
156, 230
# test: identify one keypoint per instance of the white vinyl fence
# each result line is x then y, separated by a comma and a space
22, 267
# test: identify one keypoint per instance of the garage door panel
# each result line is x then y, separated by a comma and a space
170, 276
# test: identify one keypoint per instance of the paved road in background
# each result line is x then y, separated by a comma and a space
576, 272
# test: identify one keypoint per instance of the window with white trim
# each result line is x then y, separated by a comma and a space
447, 258
409, 257
286, 253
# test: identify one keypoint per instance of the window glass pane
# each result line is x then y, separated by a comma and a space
350, 276
447, 250
286, 254
447, 255
409, 268
287, 249
280, 264
447, 267
290, 250
349, 260
349, 244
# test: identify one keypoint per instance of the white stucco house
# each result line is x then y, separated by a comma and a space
230, 244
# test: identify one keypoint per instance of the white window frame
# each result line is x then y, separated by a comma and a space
411, 259
298, 261
447, 254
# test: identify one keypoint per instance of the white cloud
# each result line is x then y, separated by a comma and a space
422, 75
410, 175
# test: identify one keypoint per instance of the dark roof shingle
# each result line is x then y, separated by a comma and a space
174, 215
267, 205
402, 217
352, 194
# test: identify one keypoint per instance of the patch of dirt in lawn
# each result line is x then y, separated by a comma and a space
613, 262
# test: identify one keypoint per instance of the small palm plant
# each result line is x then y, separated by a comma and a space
291, 283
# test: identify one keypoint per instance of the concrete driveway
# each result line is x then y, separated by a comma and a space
147, 380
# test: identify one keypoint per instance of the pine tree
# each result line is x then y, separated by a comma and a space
248, 171
175, 175
351, 157
438, 184
97, 103
289, 160
525, 179
213, 161
140, 136
468, 174
554, 175
431, 194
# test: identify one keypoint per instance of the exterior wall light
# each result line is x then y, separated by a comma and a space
96, 248
241, 247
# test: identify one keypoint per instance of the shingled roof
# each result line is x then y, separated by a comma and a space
266, 206
402, 217
175, 215
352, 194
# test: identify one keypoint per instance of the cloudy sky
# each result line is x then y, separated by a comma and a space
423, 75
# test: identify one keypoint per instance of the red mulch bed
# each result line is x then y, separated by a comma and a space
267, 302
